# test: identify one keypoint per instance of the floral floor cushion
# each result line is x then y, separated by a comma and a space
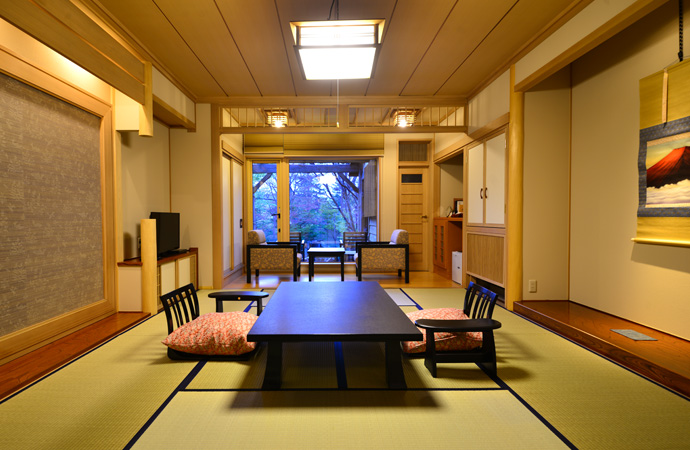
444, 341
214, 334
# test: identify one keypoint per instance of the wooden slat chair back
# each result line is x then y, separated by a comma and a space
479, 302
296, 236
180, 305
351, 238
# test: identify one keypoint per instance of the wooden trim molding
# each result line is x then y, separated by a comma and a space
22, 341
625, 18
75, 36
170, 116
28, 339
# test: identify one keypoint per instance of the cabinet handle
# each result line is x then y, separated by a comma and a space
481, 193
486, 192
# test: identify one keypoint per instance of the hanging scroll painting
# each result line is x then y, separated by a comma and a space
663, 215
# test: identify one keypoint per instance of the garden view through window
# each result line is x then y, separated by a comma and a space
326, 199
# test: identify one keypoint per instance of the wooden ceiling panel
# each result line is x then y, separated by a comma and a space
467, 25
231, 48
522, 24
406, 40
204, 31
147, 24
257, 32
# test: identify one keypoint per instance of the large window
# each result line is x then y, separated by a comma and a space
330, 197
265, 199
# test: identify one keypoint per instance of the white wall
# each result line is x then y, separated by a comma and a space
451, 184
145, 181
648, 284
491, 103
546, 188
191, 192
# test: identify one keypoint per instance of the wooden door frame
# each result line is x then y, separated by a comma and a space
427, 228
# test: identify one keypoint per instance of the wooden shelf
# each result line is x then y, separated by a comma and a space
447, 238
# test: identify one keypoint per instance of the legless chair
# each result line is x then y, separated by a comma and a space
208, 337
262, 255
465, 335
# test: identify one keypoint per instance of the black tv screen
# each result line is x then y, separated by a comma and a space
167, 231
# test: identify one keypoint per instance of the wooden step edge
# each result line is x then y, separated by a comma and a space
649, 369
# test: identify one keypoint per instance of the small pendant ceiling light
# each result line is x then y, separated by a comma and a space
404, 117
277, 119
337, 49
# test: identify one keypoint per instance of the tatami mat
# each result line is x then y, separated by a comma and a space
552, 393
593, 402
396, 420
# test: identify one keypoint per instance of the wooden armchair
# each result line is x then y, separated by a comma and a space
350, 240
262, 255
209, 337
384, 256
468, 337
296, 236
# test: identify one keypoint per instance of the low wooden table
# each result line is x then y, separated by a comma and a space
322, 252
333, 312
224, 296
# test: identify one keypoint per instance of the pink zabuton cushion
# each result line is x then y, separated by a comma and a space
214, 334
444, 341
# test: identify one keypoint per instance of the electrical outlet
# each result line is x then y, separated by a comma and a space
533, 285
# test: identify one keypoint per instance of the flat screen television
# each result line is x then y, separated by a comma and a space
167, 232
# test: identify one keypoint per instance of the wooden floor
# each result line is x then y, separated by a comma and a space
331, 272
666, 360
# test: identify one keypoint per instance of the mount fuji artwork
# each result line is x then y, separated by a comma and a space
668, 172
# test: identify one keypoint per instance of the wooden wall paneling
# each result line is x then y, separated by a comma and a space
485, 256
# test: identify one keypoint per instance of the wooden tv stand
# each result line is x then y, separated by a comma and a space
172, 272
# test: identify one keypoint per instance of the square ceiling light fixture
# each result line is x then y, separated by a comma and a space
337, 49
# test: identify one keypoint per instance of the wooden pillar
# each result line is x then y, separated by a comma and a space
149, 267
146, 109
515, 194
217, 197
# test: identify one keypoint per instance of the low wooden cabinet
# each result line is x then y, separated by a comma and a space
447, 239
173, 272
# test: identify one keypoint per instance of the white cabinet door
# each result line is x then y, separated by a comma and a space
474, 204
494, 186
167, 277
